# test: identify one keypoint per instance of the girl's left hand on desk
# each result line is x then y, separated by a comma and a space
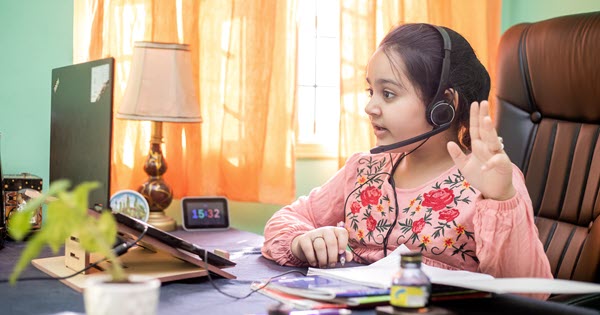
321, 247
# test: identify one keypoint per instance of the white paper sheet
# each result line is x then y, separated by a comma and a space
379, 274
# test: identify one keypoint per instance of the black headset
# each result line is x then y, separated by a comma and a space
439, 113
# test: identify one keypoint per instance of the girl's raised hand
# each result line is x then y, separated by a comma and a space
487, 168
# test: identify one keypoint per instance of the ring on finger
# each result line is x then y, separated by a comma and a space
317, 237
501, 144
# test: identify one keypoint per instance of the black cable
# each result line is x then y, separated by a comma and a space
373, 176
393, 183
210, 279
119, 250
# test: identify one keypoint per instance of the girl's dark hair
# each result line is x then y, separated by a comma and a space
421, 48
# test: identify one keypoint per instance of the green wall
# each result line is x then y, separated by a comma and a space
309, 174
37, 35
519, 11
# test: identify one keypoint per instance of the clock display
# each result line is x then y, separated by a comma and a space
205, 213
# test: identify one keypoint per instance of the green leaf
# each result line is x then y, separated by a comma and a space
67, 215
108, 226
20, 224
32, 250
58, 186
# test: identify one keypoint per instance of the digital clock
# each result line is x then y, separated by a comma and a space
204, 213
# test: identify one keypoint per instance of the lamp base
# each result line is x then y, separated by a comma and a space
159, 220
158, 194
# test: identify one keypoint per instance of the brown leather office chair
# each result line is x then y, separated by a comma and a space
548, 112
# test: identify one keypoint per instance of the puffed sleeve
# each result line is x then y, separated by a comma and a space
324, 206
508, 243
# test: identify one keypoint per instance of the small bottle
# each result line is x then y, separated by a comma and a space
411, 288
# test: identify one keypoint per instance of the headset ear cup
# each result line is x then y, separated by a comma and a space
440, 113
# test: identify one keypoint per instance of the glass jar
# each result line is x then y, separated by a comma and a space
411, 288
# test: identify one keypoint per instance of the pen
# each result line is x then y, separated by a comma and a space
342, 253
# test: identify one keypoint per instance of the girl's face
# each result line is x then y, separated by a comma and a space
395, 109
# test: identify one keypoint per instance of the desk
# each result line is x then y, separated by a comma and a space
197, 296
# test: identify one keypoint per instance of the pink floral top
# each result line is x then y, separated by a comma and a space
445, 219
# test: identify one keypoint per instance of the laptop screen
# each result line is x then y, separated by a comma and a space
81, 125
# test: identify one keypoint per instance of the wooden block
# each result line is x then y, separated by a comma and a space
75, 257
222, 253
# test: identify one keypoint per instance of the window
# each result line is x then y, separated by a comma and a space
318, 78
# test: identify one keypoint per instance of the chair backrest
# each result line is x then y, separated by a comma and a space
548, 112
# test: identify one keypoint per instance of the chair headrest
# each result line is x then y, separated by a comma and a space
553, 67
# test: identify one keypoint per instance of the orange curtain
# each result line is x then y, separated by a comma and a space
243, 54
365, 23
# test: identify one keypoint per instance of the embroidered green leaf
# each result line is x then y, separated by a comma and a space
382, 226
427, 218
470, 235
406, 226
414, 238
370, 235
440, 229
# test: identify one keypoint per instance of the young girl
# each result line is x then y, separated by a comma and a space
449, 191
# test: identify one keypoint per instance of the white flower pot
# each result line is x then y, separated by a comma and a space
139, 296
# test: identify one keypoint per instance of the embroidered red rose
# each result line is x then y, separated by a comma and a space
449, 215
371, 223
355, 207
438, 199
370, 196
418, 226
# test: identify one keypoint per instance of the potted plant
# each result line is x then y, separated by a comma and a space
66, 215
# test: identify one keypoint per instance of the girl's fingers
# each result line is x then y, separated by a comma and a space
331, 249
457, 155
342, 241
320, 247
495, 161
308, 251
474, 121
490, 136
349, 256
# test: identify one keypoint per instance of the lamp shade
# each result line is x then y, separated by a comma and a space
160, 86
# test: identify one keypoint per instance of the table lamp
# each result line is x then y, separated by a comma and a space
160, 89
